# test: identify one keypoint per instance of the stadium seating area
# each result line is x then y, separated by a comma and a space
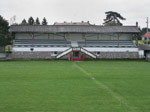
64, 43
106, 43
41, 43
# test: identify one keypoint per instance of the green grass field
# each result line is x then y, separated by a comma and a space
65, 86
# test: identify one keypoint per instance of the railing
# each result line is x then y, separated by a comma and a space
64, 53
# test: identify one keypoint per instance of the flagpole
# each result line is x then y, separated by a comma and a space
147, 32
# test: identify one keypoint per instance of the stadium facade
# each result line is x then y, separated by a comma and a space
74, 41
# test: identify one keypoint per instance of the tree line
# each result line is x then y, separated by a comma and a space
5, 37
31, 21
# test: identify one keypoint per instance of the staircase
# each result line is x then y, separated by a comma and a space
64, 53
88, 53
71, 49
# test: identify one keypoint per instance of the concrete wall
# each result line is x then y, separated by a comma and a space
48, 55
31, 55
35, 55
118, 55
2, 55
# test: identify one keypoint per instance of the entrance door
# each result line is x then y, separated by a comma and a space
77, 56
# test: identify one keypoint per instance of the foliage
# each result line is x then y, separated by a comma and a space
8, 49
37, 22
145, 41
31, 21
112, 19
44, 22
141, 42
5, 37
144, 30
24, 22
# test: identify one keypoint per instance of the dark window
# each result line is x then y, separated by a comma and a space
98, 53
55, 52
76, 54
32, 49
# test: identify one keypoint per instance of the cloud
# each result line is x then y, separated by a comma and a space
76, 10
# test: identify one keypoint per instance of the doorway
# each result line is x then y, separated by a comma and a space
77, 56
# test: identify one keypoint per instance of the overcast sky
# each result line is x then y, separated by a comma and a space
76, 10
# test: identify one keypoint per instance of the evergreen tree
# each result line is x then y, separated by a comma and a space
31, 21
144, 30
44, 22
37, 21
24, 22
112, 19
4, 32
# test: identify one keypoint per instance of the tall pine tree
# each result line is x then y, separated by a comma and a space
113, 19
4, 33
37, 22
24, 22
44, 22
31, 21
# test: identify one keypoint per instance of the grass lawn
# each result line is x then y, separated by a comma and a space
65, 86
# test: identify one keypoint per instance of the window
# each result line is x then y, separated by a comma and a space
32, 49
55, 52
98, 53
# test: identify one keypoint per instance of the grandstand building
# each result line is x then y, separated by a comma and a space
74, 41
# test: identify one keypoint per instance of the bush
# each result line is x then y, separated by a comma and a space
8, 49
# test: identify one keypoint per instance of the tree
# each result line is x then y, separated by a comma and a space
4, 32
24, 22
112, 19
31, 21
44, 22
37, 21
144, 30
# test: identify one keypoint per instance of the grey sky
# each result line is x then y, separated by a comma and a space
76, 10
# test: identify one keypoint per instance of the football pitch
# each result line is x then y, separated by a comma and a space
65, 86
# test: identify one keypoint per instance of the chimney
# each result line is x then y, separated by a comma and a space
137, 24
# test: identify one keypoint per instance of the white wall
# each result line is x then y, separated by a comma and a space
141, 53
27, 49
37, 49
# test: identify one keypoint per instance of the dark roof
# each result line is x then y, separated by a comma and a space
74, 29
144, 47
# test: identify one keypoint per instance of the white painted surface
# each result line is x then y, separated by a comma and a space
27, 49
141, 54
74, 44
60, 49
64, 53
88, 53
